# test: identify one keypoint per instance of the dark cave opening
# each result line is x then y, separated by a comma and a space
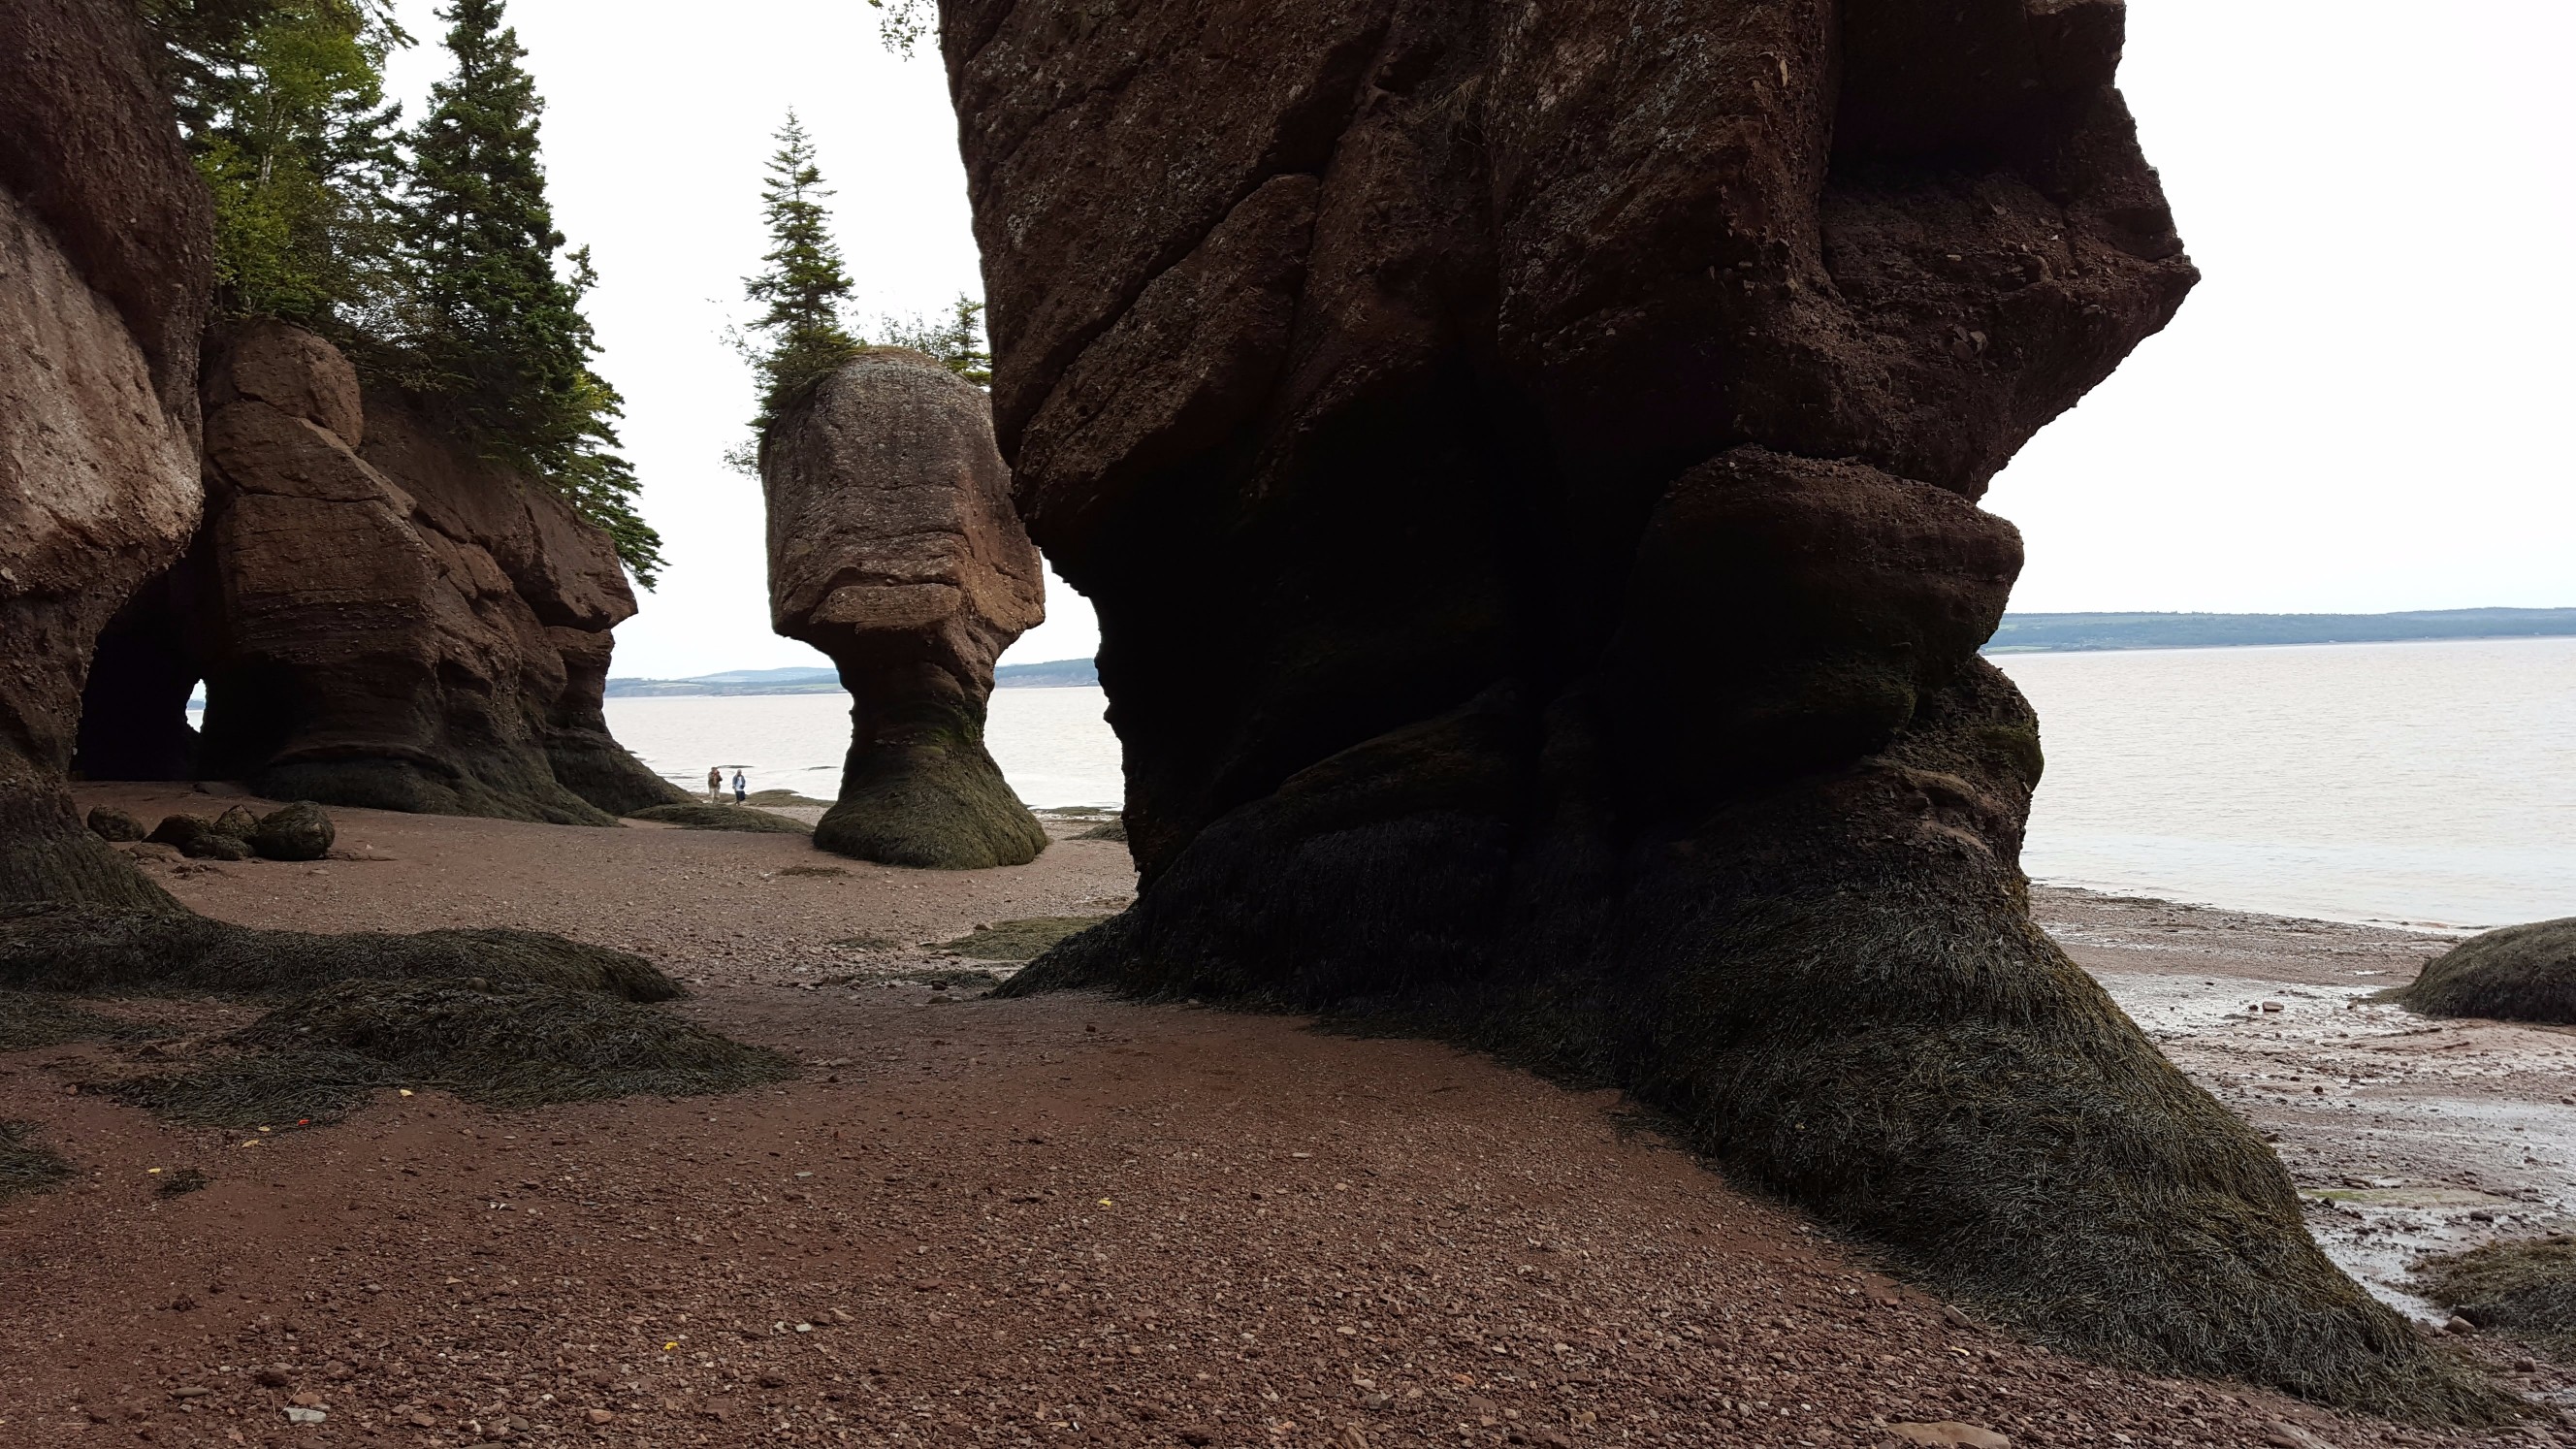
134, 709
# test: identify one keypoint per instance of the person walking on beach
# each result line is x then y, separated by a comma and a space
715, 784
737, 787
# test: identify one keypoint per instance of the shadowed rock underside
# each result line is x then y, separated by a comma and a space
1524, 459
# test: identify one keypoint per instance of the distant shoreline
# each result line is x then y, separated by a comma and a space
2018, 634
2069, 633
1053, 674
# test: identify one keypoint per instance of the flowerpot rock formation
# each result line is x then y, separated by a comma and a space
1525, 460
381, 617
106, 257
894, 550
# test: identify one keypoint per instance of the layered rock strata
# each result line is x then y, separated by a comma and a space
381, 618
105, 263
1524, 457
893, 548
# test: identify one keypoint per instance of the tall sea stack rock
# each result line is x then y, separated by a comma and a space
1524, 457
105, 262
893, 549
381, 618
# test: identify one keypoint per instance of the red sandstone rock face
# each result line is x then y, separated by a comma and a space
384, 619
1575, 249
893, 549
104, 257
1524, 457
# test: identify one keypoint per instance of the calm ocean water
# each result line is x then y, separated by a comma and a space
1052, 744
2430, 783
2426, 783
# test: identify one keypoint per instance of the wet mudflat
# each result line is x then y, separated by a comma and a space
2407, 1135
1029, 1222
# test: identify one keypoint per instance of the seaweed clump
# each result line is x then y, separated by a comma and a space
502, 1017
721, 817
2526, 1289
79, 948
25, 1167
1021, 940
2519, 973
30, 1020
499, 1044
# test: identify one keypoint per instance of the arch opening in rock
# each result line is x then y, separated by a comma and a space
134, 711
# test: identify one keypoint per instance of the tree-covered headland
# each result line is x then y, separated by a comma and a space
428, 252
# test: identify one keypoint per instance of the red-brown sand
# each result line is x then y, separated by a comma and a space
969, 1222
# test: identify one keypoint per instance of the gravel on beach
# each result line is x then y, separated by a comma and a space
973, 1221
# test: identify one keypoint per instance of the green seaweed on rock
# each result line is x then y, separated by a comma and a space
2526, 1289
2518, 973
68, 948
720, 817
507, 1045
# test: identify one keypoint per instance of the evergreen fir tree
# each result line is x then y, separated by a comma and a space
799, 336
495, 326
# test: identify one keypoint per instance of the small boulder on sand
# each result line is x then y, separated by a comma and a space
109, 823
197, 838
2518, 973
300, 831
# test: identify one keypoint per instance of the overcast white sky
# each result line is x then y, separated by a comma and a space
2359, 409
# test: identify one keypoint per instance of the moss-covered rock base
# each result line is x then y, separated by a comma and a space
940, 805
694, 816
1832, 983
2519, 973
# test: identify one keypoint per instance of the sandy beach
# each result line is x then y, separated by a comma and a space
1073, 1220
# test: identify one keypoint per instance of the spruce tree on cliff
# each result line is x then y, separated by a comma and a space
499, 328
802, 285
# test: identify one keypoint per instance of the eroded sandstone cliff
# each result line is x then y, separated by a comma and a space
105, 256
893, 548
381, 617
1525, 459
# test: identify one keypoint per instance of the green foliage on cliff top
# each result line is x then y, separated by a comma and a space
956, 339
803, 287
282, 103
430, 255
497, 325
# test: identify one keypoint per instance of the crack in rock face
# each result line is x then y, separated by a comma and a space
1525, 460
